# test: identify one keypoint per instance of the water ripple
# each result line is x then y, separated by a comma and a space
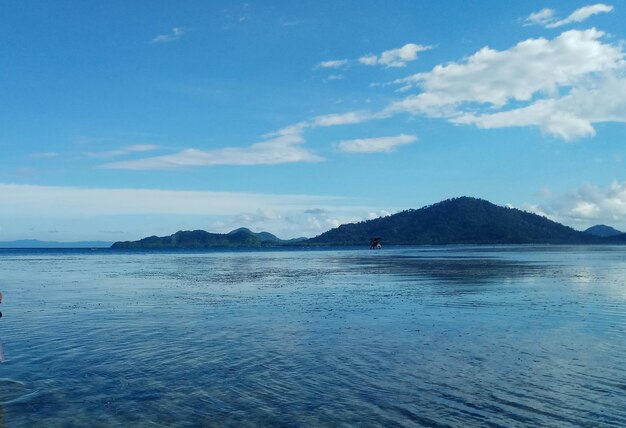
424, 337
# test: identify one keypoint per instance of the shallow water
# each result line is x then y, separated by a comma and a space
427, 336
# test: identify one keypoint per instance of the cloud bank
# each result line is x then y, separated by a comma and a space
567, 83
589, 204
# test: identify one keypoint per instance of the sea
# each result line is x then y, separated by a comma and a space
433, 336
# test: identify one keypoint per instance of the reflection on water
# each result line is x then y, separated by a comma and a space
429, 336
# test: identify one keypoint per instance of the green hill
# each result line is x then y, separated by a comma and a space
263, 236
461, 220
603, 231
238, 238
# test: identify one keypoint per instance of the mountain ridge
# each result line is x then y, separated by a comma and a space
462, 220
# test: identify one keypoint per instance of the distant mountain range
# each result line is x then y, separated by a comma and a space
238, 238
461, 220
34, 243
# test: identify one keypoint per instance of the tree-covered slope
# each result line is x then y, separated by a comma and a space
462, 220
194, 239
603, 231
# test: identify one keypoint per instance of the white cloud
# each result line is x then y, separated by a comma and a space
583, 13
283, 147
395, 57
136, 148
323, 220
562, 85
536, 209
339, 63
547, 19
543, 17
176, 34
590, 204
372, 145
391, 58
289, 223
531, 66
260, 215
336, 77
369, 59
568, 117
373, 215
341, 119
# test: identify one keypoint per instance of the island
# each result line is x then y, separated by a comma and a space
462, 220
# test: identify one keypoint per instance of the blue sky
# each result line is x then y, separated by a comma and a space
126, 119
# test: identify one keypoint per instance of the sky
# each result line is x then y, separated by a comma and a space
120, 120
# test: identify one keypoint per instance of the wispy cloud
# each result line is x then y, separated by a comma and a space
136, 148
547, 18
395, 57
174, 35
280, 147
582, 14
338, 63
44, 155
542, 17
373, 145
288, 22
284, 146
391, 58
348, 118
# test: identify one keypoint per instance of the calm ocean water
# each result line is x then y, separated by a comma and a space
426, 336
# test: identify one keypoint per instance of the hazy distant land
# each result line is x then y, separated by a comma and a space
35, 243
